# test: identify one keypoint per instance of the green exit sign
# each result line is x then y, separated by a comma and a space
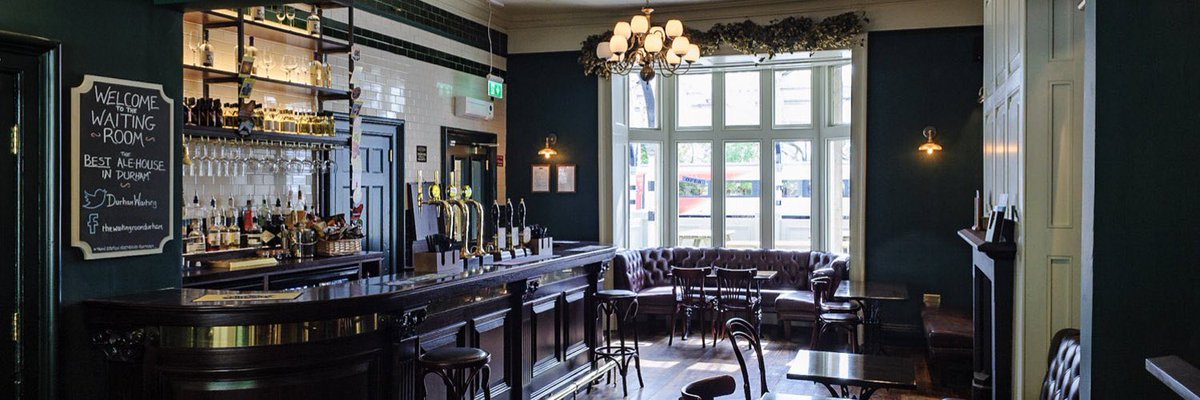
496, 89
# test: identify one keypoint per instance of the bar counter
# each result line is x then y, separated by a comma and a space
358, 339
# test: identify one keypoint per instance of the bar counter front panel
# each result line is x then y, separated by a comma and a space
358, 340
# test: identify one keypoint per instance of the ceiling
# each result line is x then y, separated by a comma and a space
524, 6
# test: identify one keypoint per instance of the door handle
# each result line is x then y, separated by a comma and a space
15, 140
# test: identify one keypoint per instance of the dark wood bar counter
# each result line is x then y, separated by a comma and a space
357, 340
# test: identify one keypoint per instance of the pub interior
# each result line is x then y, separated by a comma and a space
665, 199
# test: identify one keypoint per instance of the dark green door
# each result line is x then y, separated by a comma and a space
18, 75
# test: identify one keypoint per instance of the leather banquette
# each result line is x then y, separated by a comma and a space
647, 272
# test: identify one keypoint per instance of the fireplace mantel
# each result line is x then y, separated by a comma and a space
992, 274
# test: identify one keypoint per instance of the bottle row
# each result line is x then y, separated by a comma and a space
291, 228
312, 72
209, 112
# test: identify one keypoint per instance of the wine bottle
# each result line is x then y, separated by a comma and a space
233, 234
207, 50
215, 229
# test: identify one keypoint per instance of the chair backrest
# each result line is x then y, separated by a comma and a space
736, 287
708, 388
1062, 376
821, 285
689, 284
741, 329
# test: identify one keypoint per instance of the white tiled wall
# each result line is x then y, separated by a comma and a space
395, 87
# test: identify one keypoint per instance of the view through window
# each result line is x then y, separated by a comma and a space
786, 125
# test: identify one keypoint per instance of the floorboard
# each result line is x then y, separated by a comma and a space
667, 369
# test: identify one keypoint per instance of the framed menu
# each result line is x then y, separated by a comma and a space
122, 168
566, 179
541, 178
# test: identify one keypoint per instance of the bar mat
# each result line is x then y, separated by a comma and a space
250, 297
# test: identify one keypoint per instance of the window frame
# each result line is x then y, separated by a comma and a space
819, 132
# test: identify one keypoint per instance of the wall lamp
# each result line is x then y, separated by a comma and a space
930, 145
548, 151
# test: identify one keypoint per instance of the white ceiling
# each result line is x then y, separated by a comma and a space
525, 6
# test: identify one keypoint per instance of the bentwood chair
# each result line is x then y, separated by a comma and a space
831, 318
690, 298
709, 388
737, 293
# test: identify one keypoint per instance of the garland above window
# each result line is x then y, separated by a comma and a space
787, 35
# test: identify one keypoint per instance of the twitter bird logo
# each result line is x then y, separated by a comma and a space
95, 199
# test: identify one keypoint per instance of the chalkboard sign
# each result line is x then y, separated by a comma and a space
122, 168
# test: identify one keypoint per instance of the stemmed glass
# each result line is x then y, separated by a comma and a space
289, 65
268, 61
280, 13
291, 15
193, 44
190, 104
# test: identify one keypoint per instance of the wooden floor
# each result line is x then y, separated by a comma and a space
667, 369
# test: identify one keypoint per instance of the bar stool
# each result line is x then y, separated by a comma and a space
621, 305
458, 367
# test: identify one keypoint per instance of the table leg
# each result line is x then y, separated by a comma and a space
844, 392
872, 340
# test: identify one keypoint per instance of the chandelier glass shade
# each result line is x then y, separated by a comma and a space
637, 45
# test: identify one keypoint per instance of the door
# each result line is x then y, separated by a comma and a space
380, 180
23, 82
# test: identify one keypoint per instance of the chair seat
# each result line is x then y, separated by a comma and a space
454, 357
615, 294
796, 305
785, 396
840, 307
841, 318
739, 304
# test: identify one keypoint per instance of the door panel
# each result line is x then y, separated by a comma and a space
381, 218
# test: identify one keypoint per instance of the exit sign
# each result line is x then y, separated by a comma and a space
496, 89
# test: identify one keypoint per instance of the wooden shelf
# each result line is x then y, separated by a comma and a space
269, 30
230, 133
210, 75
997, 251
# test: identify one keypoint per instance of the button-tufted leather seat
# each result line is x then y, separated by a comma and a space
647, 272
1062, 376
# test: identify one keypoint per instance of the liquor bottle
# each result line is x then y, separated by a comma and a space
215, 229
301, 210
251, 230
253, 53
233, 234
316, 71
194, 238
258, 13
207, 50
314, 23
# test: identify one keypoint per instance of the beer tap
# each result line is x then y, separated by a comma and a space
466, 193
462, 216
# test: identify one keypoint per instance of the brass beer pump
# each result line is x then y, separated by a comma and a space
462, 219
435, 198
477, 251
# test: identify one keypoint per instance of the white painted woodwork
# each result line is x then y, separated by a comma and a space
1033, 74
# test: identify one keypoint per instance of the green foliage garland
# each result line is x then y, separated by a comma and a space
787, 35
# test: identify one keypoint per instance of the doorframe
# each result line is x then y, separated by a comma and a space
42, 289
450, 134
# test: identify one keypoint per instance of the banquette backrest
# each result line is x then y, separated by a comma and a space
639, 269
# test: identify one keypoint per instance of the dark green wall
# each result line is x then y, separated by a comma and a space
128, 39
549, 93
916, 202
1141, 121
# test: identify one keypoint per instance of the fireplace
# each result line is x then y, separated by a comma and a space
992, 274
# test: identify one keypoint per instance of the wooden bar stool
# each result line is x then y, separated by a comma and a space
619, 307
460, 369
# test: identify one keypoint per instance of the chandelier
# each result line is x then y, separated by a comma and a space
651, 49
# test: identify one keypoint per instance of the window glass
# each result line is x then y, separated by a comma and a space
742, 98
793, 97
695, 100
643, 103
694, 225
742, 216
838, 211
839, 95
645, 211
793, 194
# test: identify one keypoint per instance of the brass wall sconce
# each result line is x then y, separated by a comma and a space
549, 151
930, 145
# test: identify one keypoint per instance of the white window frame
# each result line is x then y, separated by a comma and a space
819, 133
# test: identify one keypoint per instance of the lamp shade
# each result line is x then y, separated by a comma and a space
622, 29
674, 28
654, 43
693, 54
640, 24
618, 45
673, 59
680, 45
604, 51
930, 144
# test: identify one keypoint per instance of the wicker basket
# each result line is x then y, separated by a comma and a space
339, 247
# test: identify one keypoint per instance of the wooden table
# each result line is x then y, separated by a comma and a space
869, 295
839, 371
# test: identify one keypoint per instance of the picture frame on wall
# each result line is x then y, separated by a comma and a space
566, 178
541, 178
